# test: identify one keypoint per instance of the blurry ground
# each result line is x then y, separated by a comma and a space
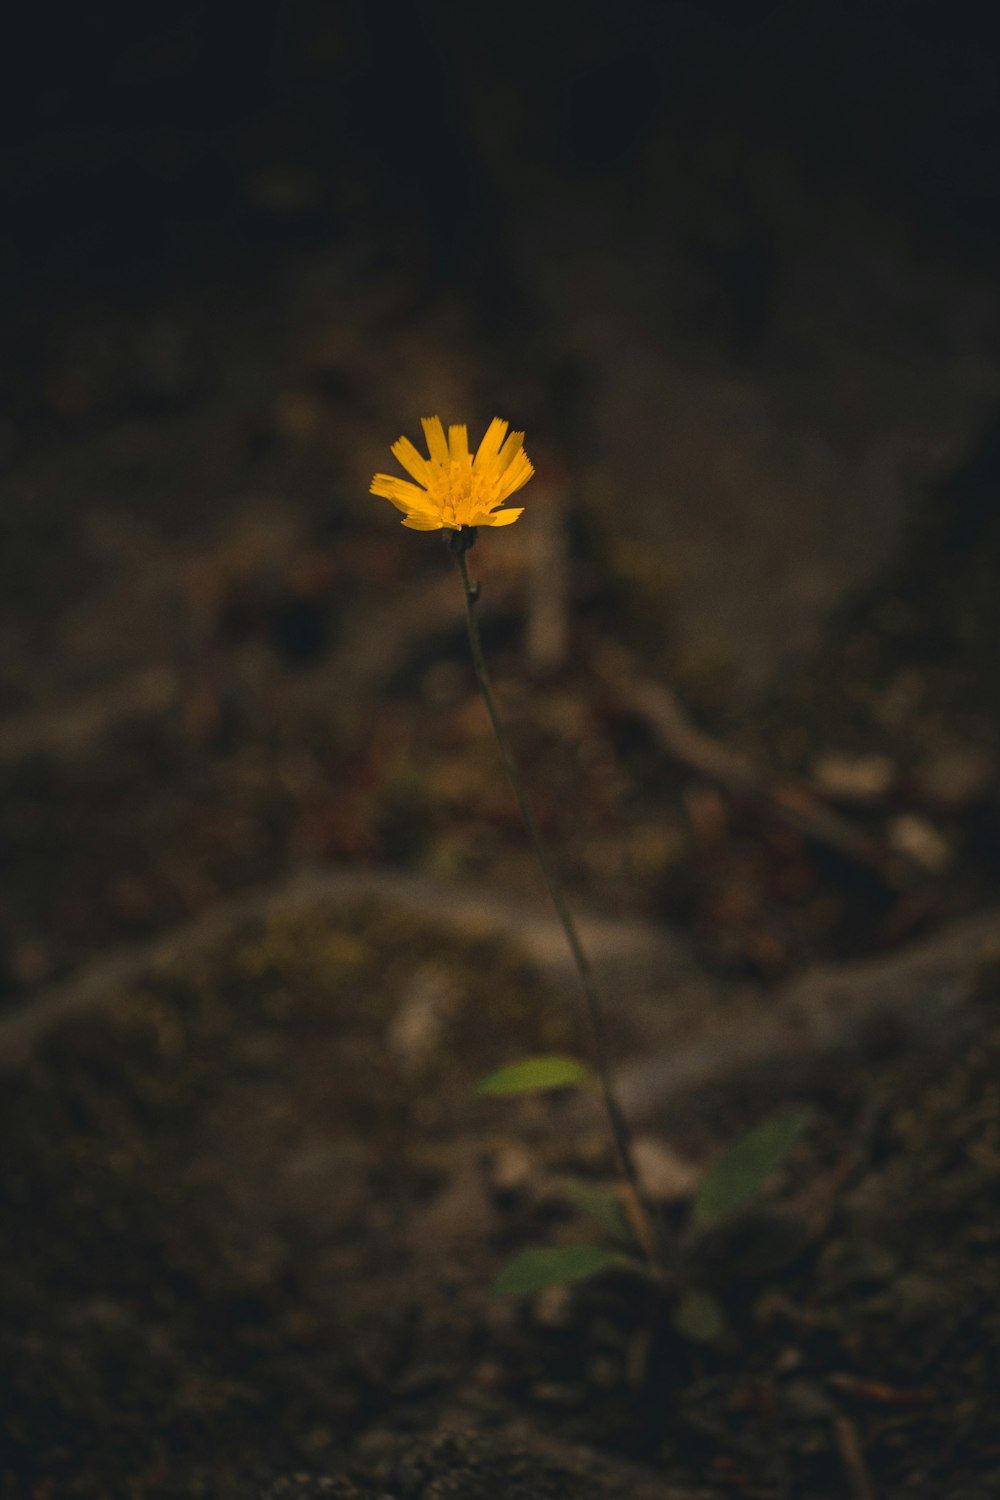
254, 1209
251, 1208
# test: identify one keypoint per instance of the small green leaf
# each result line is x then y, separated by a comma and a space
747, 1164
601, 1204
533, 1074
539, 1266
700, 1318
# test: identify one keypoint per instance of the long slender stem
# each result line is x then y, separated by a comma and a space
647, 1226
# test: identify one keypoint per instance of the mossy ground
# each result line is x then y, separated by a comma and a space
251, 1220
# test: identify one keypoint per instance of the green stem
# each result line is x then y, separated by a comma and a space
459, 544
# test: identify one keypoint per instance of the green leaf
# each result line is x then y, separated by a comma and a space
601, 1204
700, 1318
747, 1164
539, 1266
533, 1074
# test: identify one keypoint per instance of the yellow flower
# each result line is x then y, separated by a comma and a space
454, 489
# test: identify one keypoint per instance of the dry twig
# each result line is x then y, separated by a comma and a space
797, 806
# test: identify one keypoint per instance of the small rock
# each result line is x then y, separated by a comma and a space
666, 1175
416, 1027
854, 778
912, 835
512, 1167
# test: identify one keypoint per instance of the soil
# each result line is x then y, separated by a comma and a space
255, 1208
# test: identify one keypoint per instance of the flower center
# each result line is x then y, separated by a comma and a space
453, 490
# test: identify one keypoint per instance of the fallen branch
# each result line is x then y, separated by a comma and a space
630, 954
794, 805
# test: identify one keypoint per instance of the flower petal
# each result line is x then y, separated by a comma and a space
486, 453
496, 517
423, 523
437, 443
413, 462
510, 450
404, 495
458, 443
515, 476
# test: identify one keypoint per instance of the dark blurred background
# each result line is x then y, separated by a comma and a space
733, 270
607, 195
139, 140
